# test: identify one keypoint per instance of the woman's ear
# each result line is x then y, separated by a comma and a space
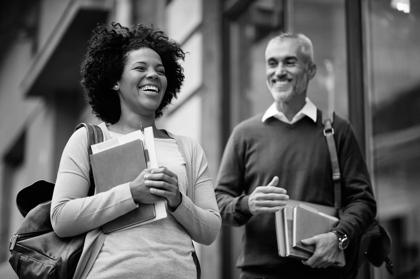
116, 87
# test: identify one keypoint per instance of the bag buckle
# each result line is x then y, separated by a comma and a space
328, 131
12, 241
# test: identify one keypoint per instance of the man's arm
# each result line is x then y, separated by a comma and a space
358, 202
230, 193
238, 201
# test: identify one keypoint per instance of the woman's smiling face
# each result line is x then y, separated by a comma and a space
143, 82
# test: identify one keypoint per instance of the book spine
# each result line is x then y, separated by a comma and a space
149, 142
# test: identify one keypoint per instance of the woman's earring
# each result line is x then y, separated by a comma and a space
116, 87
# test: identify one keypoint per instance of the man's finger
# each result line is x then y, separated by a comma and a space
274, 181
270, 203
272, 189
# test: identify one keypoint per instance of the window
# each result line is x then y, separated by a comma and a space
250, 27
394, 86
324, 23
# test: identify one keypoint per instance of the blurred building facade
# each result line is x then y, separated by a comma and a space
368, 69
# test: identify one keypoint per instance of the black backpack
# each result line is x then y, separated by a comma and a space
36, 251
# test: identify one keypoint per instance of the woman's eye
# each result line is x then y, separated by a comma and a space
140, 69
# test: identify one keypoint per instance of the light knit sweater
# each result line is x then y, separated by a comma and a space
156, 250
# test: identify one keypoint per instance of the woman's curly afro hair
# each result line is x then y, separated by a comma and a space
105, 58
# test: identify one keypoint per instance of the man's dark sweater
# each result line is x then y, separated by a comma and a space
298, 154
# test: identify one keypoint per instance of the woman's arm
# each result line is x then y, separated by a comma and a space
200, 217
72, 211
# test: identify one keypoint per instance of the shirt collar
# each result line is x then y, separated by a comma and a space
309, 109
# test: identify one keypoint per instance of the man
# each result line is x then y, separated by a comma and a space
283, 154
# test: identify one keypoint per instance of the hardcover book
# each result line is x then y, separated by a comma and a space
288, 234
330, 210
118, 161
281, 243
308, 222
289, 231
284, 230
117, 165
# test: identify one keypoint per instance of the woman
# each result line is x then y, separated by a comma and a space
130, 76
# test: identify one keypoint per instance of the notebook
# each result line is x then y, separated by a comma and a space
118, 161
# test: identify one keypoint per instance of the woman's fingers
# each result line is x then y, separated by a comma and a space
162, 174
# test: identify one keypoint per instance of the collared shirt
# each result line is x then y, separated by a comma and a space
309, 109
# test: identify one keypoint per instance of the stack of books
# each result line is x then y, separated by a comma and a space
298, 221
118, 161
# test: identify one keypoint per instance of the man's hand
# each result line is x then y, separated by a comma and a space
326, 250
267, 199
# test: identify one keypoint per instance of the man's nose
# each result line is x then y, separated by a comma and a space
280, 70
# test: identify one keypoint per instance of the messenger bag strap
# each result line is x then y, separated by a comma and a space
327, 119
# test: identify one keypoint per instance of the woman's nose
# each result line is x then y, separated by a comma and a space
151, 73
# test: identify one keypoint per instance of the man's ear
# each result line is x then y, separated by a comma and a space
311, 70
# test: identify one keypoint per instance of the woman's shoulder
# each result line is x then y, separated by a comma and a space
182, 139
79, 138
187, 143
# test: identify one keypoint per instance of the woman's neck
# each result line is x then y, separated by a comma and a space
124, 126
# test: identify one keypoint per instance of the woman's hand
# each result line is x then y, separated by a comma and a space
140, 192
164, 183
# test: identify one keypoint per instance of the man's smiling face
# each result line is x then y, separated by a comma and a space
288, 69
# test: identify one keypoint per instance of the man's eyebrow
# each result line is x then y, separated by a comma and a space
291, 58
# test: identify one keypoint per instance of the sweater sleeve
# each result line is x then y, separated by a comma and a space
230, 192
72, 211
199, 215
358, 202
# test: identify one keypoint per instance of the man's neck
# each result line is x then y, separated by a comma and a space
290, 109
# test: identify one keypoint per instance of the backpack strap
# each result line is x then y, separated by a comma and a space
94, 135
327, 119
41, 191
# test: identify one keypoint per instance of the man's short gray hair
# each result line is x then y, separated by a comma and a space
306, 44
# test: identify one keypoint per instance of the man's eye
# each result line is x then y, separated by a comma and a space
272, 63
290, 62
